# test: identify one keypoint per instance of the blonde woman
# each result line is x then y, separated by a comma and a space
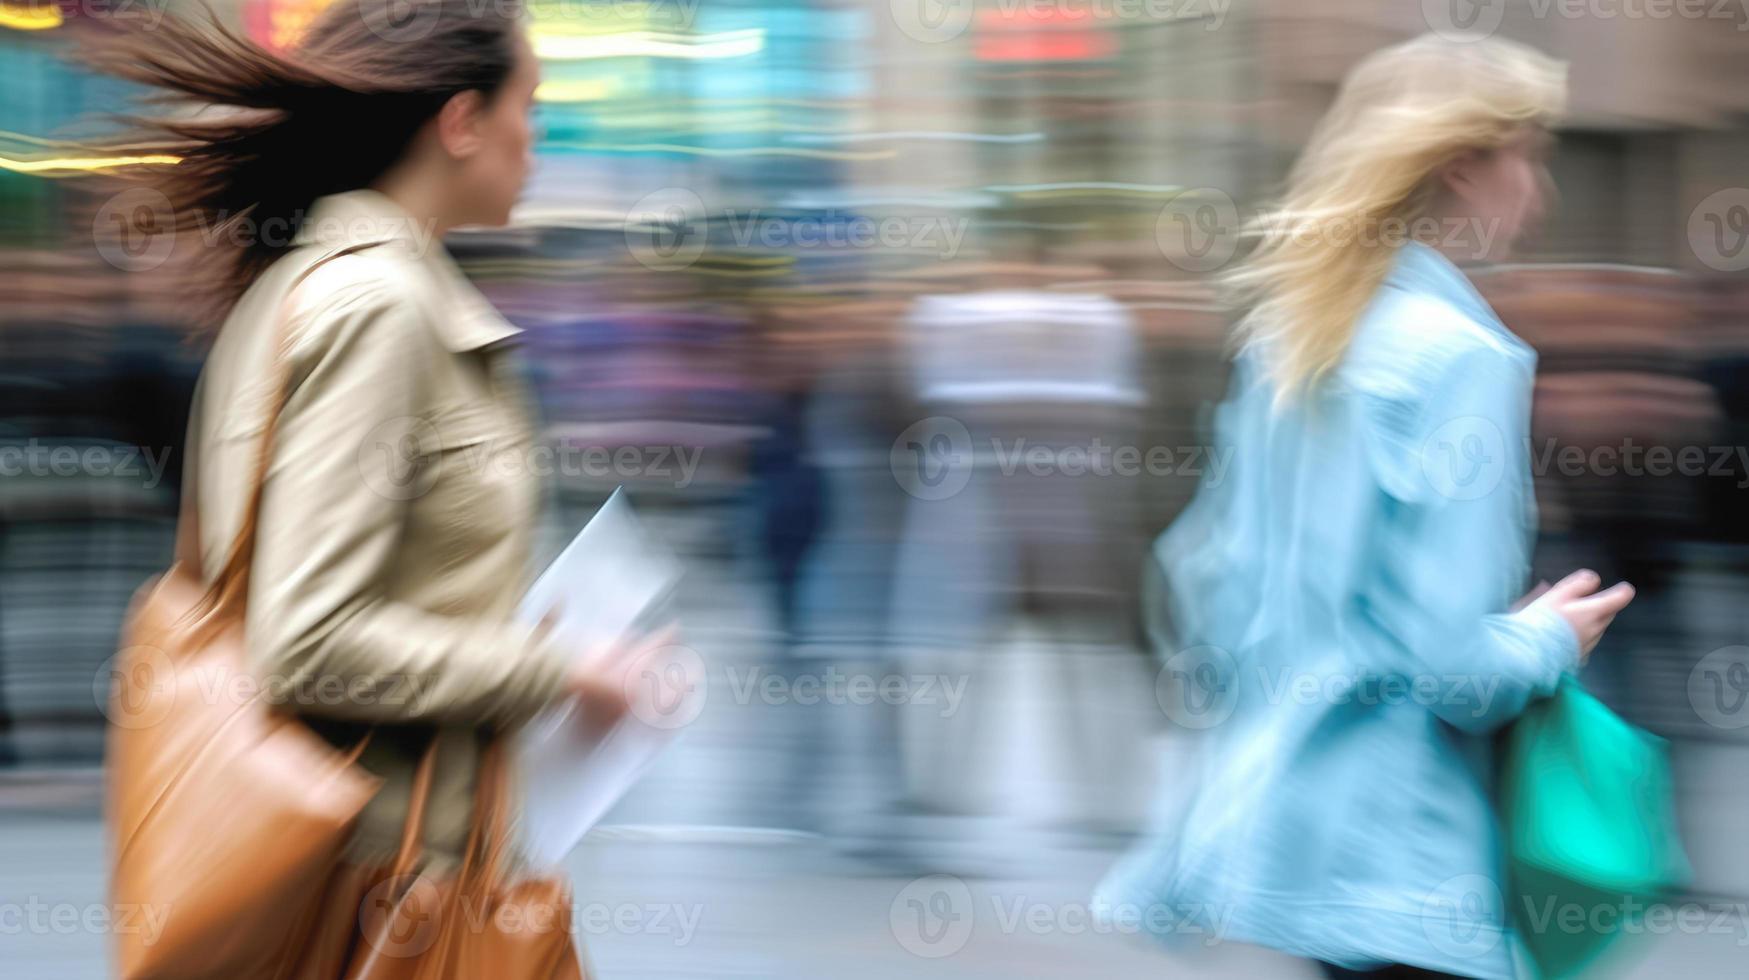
1346, 635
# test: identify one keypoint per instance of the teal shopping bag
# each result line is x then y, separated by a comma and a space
1590, 826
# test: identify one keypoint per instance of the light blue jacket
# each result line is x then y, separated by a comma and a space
1343, 649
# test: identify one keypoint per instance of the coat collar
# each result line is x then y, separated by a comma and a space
1420, 268
364, 217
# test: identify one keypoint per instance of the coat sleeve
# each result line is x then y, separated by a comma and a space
319, 623
1450, 450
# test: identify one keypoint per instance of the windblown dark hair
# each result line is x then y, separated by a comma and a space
260, 136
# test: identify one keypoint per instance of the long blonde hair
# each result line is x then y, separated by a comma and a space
1371, 164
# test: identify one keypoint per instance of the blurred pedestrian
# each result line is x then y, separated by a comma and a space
1026, 398
1344, 597
388, 557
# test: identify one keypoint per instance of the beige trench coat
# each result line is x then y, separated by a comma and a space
397, 518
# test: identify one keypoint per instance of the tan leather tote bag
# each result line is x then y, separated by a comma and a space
227, 816
391, 922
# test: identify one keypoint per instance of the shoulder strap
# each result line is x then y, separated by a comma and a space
231, 586
188, 516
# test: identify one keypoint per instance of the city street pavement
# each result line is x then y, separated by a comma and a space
700, 873
694, 903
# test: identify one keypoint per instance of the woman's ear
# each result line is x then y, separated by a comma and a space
1458, 176
458, 124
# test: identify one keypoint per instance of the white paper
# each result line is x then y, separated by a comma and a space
604, 588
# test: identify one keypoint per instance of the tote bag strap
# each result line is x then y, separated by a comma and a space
188, 515
230, 587
486, 854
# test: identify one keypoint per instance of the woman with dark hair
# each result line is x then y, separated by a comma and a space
394, 525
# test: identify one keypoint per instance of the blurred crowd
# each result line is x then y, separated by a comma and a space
930, 374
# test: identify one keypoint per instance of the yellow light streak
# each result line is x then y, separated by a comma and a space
85, 164
36, 17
